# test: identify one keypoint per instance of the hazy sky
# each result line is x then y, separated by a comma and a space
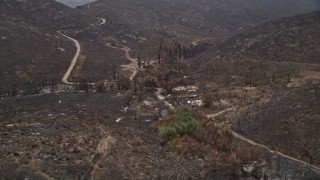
74, 3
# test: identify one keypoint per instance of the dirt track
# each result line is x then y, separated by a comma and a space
75, 58
133, 62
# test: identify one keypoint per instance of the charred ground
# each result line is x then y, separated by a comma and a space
80, 133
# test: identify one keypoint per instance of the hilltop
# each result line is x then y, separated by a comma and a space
75, 3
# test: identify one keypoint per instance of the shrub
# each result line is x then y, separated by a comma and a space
199, 133
211, 134
167, 132
273, 73
150, 84
248, 155
82, 85
167, 120
168, 86
127, 97
101, 86
124, 83
226, 165
199, 115
185, 124
207, 100
179, 148
187, 145
220, 117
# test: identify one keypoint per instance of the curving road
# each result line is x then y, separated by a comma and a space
103, 21
163, 99
133, 62
197, 41
238, 136
75, 58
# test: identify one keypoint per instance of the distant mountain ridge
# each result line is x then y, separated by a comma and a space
215, 18
75, 3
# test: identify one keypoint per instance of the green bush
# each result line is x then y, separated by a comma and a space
221, 117
199, 133
273, 73
179, 148
185, 124
167, 132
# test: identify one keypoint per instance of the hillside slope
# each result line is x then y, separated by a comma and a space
46, 12
189, 18
289, 124
31, 49
294, 39
30, 53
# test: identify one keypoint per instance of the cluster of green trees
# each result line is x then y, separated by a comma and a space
184, 124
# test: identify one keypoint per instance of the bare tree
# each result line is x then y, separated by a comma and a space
249, 78
83, 85
139, 59
139, 53
150, 84
124, 83
101, 86
183, 69
160, 50
317, 92
115, 71
135, 79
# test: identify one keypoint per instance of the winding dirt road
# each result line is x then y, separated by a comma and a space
197, 41
103, 21
132, 66
75, 58
163, 99
221, 112
238, 136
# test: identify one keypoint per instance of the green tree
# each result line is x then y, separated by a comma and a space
273, 73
